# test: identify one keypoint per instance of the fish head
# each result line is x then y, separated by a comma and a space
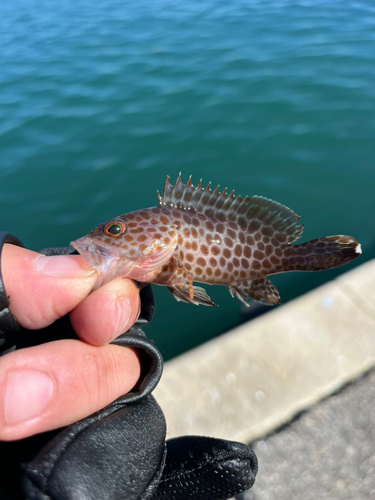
127, 246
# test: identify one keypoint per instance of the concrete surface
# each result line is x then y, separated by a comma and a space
328, 453
246, 383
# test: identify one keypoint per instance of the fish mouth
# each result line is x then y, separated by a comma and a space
107, 264
94, 254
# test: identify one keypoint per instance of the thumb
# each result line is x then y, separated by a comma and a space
42, 289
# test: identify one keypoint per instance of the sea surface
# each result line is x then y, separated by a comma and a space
100, 101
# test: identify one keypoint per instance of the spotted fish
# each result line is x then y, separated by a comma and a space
199, 235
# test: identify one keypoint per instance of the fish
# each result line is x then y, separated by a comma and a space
200, 235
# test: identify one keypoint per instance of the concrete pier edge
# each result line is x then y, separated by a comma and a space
257, 377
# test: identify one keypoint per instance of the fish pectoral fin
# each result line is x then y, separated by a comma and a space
260, 289
183, 293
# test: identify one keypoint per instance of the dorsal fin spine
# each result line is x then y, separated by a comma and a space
184, 203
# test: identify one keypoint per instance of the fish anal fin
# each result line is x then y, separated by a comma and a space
260, 289
182, 293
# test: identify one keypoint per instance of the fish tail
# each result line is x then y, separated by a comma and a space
321, 253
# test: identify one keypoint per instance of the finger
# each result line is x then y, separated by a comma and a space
55, 384
107, 312
43, 289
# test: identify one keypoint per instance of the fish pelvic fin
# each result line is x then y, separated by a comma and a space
183, 293
321, 253
260, 289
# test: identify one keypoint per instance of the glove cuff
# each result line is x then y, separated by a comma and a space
8, 323
151, 363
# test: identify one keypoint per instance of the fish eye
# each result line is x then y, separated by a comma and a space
114, 229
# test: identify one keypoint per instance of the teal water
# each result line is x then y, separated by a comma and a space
99, 101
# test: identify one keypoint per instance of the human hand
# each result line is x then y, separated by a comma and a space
57, 383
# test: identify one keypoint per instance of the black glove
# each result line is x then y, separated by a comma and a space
118, 453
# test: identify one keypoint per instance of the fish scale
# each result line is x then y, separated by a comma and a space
196, 234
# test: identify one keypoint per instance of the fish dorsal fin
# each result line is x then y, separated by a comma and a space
251, 214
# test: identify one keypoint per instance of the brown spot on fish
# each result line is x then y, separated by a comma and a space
142, 238
213, 262
228, 242
198, 271
204, 249
190, 257
247, 252
231, 234
222, 261
267, 231
215, 250
245, 263
227, 253
258, 255
280, 237
236, 262
201, 261
194, 232
238, 250
253, 226
266, 263
194, 246
220, 228
217, 272
242, 223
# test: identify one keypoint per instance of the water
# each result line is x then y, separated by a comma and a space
100, 101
